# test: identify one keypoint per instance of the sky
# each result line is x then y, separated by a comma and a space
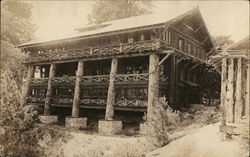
221, 17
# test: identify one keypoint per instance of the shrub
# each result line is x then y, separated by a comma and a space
18, 136
163, 120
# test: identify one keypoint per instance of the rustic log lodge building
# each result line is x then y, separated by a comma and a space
118, 67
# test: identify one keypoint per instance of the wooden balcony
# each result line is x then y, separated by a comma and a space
107, 50
96, 79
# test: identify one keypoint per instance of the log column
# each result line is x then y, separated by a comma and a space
111, 91
26, 89
49, 90
172, 81
75, 108
238, 92
247, 97
230, 92
223, 91
153, 85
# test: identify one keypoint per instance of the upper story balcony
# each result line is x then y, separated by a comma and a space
111, 50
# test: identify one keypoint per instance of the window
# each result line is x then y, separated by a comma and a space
180, 44
169, 37
142, 37
189, 48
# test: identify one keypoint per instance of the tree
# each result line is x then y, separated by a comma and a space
18, 137
116, 9
222, 41
16, 24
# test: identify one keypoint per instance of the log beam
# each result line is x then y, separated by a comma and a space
111, 91
223, 92
165, 58
76, 100
47, 105
153, 86
26, 88
230, 92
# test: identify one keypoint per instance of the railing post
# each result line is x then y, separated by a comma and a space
111, 91
153, 86
26, 88
75, 107
47, 105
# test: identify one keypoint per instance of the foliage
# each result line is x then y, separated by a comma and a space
164, 119
210, 83
222, 41
116, 9
18, 136
16, 24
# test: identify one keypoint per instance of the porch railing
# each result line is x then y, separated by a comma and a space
95, 79
106, 50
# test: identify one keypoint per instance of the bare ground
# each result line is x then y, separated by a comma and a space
196, 136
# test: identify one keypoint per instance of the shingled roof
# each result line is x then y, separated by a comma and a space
136, 22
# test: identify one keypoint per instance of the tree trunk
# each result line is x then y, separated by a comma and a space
75, 107
47, 105
26, 90
111, 91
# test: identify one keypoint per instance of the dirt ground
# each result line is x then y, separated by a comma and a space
202, 142
197, 135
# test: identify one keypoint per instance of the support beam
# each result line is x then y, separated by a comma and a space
198, 28
47, 105
26, 88
223, 92
179, 60
165, 58
153, 86
111, 91
230, 92
76, 100
193, 67
176, 80
238, 93
205, 40
247, 98
172, 80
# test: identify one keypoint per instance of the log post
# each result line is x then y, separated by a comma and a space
52, 71
223, 91
247, 97
153, 86
238, 93
76, 100
111, 91
172, 81
176, 80
26, 89
230, 92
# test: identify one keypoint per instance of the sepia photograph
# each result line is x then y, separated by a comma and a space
125, 78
